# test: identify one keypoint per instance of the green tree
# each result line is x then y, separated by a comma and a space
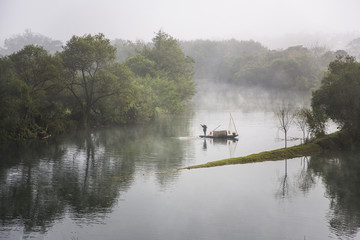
302, 123
142, 66
339, 94
37, 75
171, 63
119, 104
11, 97
316, 121
92, 78
36, 67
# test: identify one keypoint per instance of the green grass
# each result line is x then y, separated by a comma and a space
335, 141
278, 154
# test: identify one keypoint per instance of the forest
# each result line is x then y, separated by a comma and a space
47, 87
82, 85
250, 64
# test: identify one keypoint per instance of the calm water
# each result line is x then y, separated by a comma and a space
120, 183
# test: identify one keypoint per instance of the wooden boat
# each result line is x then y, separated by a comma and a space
230, 133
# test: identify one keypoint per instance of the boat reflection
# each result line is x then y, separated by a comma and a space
230, 143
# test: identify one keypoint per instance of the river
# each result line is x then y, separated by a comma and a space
122, 183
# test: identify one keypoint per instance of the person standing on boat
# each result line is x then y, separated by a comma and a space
204, 128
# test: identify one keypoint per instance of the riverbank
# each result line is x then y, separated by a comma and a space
328, 142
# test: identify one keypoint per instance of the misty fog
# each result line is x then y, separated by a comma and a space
218, 96
276, 24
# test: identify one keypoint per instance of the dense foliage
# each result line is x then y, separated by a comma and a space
248, 63
83, 86
339, 95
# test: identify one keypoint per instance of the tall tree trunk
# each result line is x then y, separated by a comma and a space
85, 117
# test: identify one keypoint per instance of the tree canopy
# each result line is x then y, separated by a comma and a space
19, 41
339, 94
88, 61
83, 86
249, 64
29, 91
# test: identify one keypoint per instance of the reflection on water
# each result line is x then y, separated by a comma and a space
82, 175
124, 179
226, 143
340, 173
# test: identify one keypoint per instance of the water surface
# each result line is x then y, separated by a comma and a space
122, 183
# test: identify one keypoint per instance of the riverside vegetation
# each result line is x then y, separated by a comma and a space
83, 86
46, 88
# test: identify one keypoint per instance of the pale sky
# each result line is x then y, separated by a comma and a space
182, 19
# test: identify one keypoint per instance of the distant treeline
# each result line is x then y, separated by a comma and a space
82, 85
243, 63
249, 64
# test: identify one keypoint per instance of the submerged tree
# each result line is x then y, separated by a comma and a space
301, 121
316, 120
285, 116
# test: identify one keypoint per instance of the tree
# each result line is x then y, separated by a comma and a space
119, 104
11, 91
353, 48
339, 95
171, 63
142, 66
89, 62
36, 67
125, 49
19, 41
285, 116
302, 123
37, 74
316, 120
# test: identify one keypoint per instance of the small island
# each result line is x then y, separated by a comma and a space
314, 147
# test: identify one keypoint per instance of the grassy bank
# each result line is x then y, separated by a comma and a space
278, 154
314, 147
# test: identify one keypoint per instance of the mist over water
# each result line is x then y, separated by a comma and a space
216, 96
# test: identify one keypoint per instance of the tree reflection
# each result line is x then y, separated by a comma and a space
25, 196
82, 175
37, 193
283, 190
340, 173
306, 179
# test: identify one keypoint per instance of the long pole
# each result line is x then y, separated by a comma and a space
217, 127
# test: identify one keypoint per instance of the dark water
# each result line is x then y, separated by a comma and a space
121, 183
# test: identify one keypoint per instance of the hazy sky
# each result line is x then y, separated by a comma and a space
183, 19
